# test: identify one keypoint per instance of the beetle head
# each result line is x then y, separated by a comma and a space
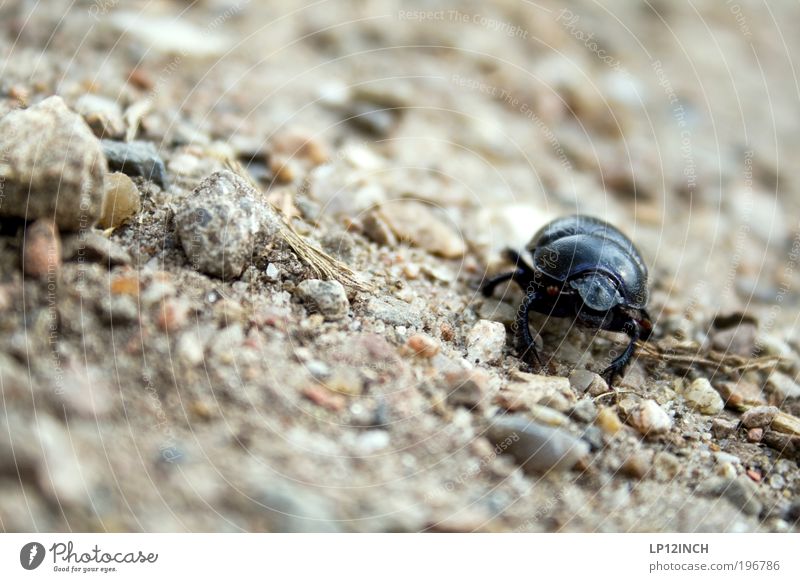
598, 291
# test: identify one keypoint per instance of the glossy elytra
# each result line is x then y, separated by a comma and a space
585, 269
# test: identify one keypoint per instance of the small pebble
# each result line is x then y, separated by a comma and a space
547, 415
739, 340
649, 418
163, 33
722, 428
466, 387
726, 470
102, 114
584, 411
172, 314
92, 246
759, 416
136, 158
318, 369
754, 435
189, 348
754, 475
580, 380
297, 143
637, 465
272, 272
666, 466
782, 387
218, 223
344, 380
740, 492
372, 441
608, 421
122, 200
598, 386
496, 310
537, 448
525, 390
41, 252
323, 397
419, 224
423, 346
786, 444
701, 396
393, 312
370, 118
486, 342
327, 297
86, 391
447, 331
776, 481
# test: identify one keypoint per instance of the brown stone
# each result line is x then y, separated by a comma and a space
41, 252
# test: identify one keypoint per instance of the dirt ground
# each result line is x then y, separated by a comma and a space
143, 389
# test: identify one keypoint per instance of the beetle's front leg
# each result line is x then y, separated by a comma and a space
617, 367
488, 287
528, 345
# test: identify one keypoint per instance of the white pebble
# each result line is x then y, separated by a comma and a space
486, 342
701, 396
650, 418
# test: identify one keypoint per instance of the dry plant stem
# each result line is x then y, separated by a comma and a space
321, 263
688, 354
615, 393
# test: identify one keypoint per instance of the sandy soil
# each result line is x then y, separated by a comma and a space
143, 392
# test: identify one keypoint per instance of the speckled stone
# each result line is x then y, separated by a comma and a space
701, 396
51, 166
486, 342
326, 297
218, 224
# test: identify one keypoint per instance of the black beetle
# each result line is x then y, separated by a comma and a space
586, 269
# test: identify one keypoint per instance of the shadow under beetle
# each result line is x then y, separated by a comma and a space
585, 269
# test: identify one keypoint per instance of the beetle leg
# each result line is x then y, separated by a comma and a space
529, 347
525, 271
489, 286
631, 327
521, 274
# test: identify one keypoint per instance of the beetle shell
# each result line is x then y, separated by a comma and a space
575, 246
